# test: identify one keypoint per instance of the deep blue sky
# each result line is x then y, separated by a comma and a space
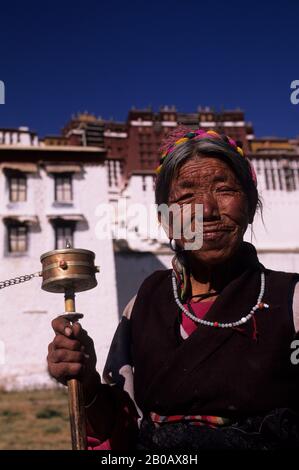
59, 57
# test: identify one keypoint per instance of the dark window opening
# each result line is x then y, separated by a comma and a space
17, 238
63, 188
17, 188
64, 232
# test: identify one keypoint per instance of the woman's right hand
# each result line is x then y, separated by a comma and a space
71, 355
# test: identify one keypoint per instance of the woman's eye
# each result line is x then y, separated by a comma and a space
226, 189
185, 196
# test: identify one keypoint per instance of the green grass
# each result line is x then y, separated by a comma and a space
35, 419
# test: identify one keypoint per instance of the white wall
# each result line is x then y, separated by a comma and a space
140, 193
275, 229
26, 310
19, 137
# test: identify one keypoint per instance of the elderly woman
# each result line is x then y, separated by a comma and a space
202, 356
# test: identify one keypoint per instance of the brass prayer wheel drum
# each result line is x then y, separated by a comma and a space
68, 269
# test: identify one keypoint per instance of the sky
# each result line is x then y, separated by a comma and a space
61, 57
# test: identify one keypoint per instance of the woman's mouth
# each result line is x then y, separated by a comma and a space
215, 234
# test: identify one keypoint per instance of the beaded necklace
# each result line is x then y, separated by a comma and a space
258, 306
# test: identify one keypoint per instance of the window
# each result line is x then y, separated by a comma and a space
63, 188
267, 178
279, 170
289, 179
143, 183
64, 232
17, 188
113, 172
273, 178
17, 238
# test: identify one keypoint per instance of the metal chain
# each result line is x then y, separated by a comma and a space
19, 280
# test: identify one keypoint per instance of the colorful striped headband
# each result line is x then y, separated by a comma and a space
199, 134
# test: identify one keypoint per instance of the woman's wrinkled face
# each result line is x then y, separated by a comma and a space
211, 182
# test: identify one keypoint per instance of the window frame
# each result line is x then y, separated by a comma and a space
68, 176
14, 226
60, 224
18, 176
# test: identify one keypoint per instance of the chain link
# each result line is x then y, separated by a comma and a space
18, 280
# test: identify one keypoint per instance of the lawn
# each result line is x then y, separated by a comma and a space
35, 419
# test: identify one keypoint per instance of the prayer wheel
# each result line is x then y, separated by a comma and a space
69, 268
68, 271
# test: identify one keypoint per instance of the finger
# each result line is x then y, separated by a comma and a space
81, 335
62, 325
65, 355
63, 370
62, 342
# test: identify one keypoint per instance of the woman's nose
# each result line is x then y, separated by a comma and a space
210, 207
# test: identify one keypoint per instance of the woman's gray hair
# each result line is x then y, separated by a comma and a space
206, 147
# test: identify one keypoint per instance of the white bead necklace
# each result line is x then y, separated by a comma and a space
259, 305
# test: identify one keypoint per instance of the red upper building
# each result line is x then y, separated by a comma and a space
135, 143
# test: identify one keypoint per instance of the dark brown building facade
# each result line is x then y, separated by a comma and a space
136, 142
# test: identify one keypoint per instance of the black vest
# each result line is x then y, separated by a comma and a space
215, 371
